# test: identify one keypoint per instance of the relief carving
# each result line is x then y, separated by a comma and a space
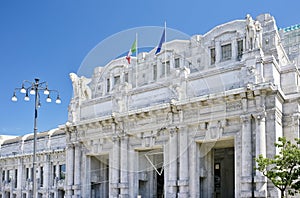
233, 106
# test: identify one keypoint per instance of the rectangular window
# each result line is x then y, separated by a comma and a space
54, 172
212, 56
62, 171
116, 80
27, 174
41, 176
168, 68
226, 52
16, 178
154, 72
3, 175
31, 174
7, 176
126, 77
163, 69
107, 85
177, 63
240, 49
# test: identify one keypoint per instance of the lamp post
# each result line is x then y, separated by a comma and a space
34, 88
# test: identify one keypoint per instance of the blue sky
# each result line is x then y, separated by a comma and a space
49, 39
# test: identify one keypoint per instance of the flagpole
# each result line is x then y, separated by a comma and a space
136, 53
165, 48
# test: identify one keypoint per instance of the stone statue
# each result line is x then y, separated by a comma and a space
250, 32
73, 114
80, 86
258, 38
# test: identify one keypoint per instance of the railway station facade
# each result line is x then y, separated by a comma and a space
186, 122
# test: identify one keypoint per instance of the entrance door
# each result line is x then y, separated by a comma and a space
99, 176
151, 173
61, 193
224, 173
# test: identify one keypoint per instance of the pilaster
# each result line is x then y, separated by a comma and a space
246, 155
77, 169
69, 169
115, 167
260, 135
172, 180
183, 181
46, 175
193, 164
124, 186
86, 189
19, 176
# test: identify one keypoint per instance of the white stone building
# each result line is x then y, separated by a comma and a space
187, 122
16, 165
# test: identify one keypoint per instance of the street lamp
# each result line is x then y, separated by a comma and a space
34, 88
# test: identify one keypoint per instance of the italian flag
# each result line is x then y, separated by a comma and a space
132, 50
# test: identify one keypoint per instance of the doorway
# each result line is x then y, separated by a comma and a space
223, 173
151, 173
99, 174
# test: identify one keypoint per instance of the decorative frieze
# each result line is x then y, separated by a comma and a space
233, 106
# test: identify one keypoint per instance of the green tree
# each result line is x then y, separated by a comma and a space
284, 169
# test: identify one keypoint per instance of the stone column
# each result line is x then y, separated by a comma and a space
246, 156
30, 173
86, 175
69, 169
77, 170
260, 136
47, 175
193, 182
114, 161
124, 191
19, 176
172, 180
183, 181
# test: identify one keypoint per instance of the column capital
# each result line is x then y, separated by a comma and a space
260, 115
181, 128
173, 130
246, 118
124, 136
77, 144
69, 146
115, 138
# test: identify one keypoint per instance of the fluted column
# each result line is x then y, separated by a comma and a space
70, 169
183, 181
114, 168
124, 191
172, 181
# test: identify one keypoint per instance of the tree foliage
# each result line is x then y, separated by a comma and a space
284, 169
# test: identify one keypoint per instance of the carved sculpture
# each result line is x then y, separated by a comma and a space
258, 39
253, 33
80, 86
250, 32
